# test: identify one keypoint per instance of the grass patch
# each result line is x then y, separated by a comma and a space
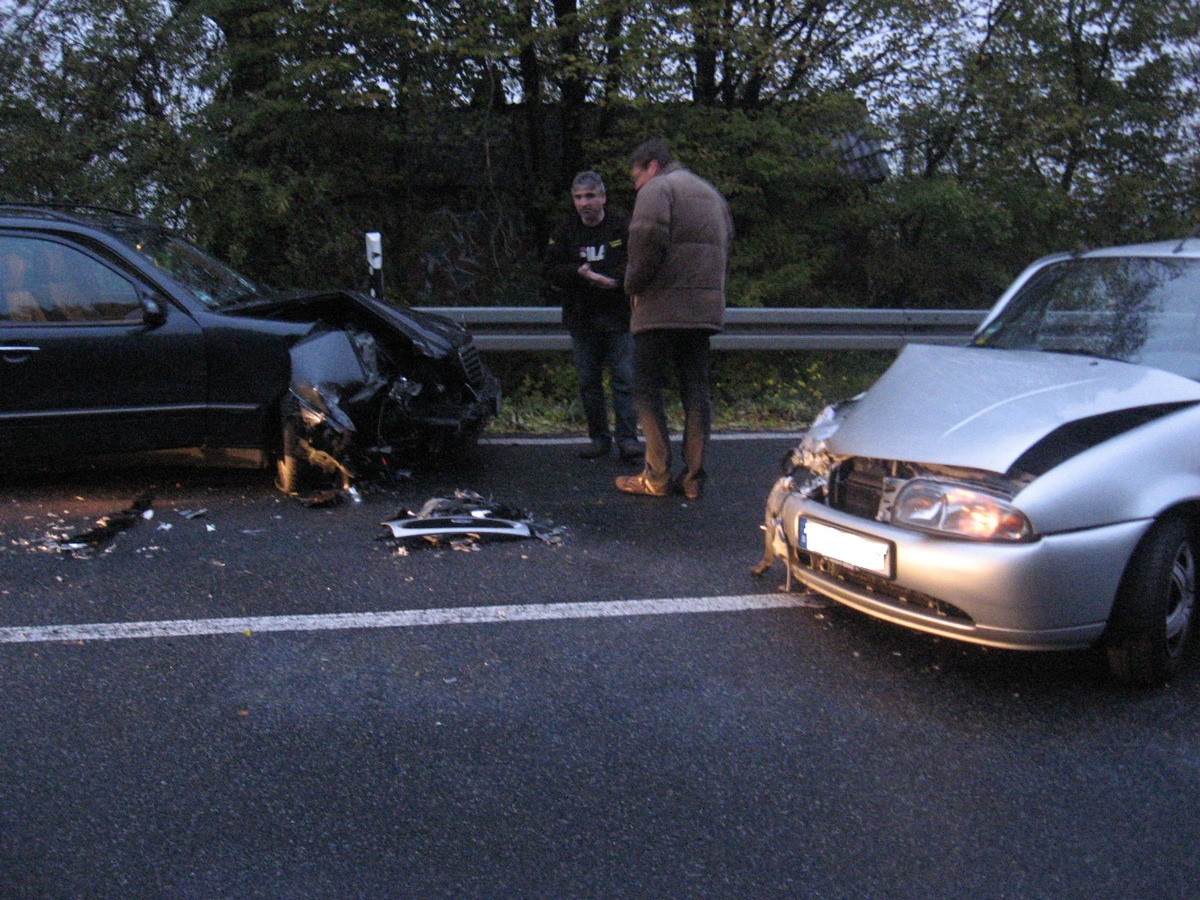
760, 391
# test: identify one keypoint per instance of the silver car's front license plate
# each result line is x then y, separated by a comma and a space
856, 550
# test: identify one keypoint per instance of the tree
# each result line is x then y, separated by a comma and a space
97, 99
276, 131
745, 55
1083, 99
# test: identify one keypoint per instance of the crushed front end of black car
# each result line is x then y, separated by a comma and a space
375, 384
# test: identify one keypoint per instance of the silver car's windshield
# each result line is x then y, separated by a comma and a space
213, 282
1134, 309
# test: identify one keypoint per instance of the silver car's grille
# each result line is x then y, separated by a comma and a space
867, 487
857, 485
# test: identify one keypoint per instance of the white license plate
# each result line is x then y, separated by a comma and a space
856, 550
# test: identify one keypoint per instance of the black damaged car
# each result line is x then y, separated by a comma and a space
118, 336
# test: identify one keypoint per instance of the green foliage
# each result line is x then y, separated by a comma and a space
541, 393
933, 243
793, 206
775, 391
279, 131
94, 98
1072, 115
786, 390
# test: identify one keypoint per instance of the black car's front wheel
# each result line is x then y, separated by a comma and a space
1155, 607
290, 469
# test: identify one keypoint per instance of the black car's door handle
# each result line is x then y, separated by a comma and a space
15, 353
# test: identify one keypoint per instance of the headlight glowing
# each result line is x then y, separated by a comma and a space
959, 510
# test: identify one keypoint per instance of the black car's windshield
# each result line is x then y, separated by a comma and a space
1134, 309
216, 284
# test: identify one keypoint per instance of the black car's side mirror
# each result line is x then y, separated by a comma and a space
154, 313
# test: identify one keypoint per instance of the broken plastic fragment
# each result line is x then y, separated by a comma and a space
90, 542
437, 526
467, 518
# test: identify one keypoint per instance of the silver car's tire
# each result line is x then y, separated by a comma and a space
1155, 608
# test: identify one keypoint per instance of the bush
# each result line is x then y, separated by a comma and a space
750, 391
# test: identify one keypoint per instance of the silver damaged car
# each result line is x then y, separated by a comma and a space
1038, 489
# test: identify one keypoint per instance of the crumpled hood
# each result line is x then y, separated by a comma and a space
437, 335
433, 335
982, 409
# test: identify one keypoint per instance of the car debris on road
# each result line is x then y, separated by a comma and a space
95, 540
464, 520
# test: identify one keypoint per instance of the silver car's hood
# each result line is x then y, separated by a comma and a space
982, 408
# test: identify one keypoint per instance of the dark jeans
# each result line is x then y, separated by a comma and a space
595, 351
655, 354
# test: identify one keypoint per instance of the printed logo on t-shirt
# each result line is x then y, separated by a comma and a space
592, 254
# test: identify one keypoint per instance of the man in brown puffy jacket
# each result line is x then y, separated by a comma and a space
679, 241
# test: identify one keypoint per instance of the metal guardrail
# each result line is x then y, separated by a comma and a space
540, 327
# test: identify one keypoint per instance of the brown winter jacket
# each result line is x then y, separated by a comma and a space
679, 239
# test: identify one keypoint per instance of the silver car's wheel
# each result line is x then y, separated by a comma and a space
1155, 607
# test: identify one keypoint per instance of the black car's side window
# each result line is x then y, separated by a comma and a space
45, 281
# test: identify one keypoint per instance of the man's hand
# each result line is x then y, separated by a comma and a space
585, 272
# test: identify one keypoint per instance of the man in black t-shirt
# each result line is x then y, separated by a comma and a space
585, 269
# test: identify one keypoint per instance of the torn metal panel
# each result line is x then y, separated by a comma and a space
353, 403
806, 470
329, 357
467, 516
482, 523
809, 463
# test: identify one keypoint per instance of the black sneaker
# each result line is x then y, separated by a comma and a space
630, 450
596, 449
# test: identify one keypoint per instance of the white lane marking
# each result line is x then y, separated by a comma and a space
470, 615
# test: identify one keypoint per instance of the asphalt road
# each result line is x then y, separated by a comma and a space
447, 742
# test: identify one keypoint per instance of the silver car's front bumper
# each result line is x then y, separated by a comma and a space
1053, 593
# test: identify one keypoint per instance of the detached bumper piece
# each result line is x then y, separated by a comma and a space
466, 520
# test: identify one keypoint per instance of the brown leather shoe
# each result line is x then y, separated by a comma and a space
640, 484
692, 489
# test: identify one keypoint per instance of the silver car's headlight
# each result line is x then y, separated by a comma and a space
958, 510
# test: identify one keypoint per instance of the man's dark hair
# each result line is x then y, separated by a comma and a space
653, 150
588, 181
